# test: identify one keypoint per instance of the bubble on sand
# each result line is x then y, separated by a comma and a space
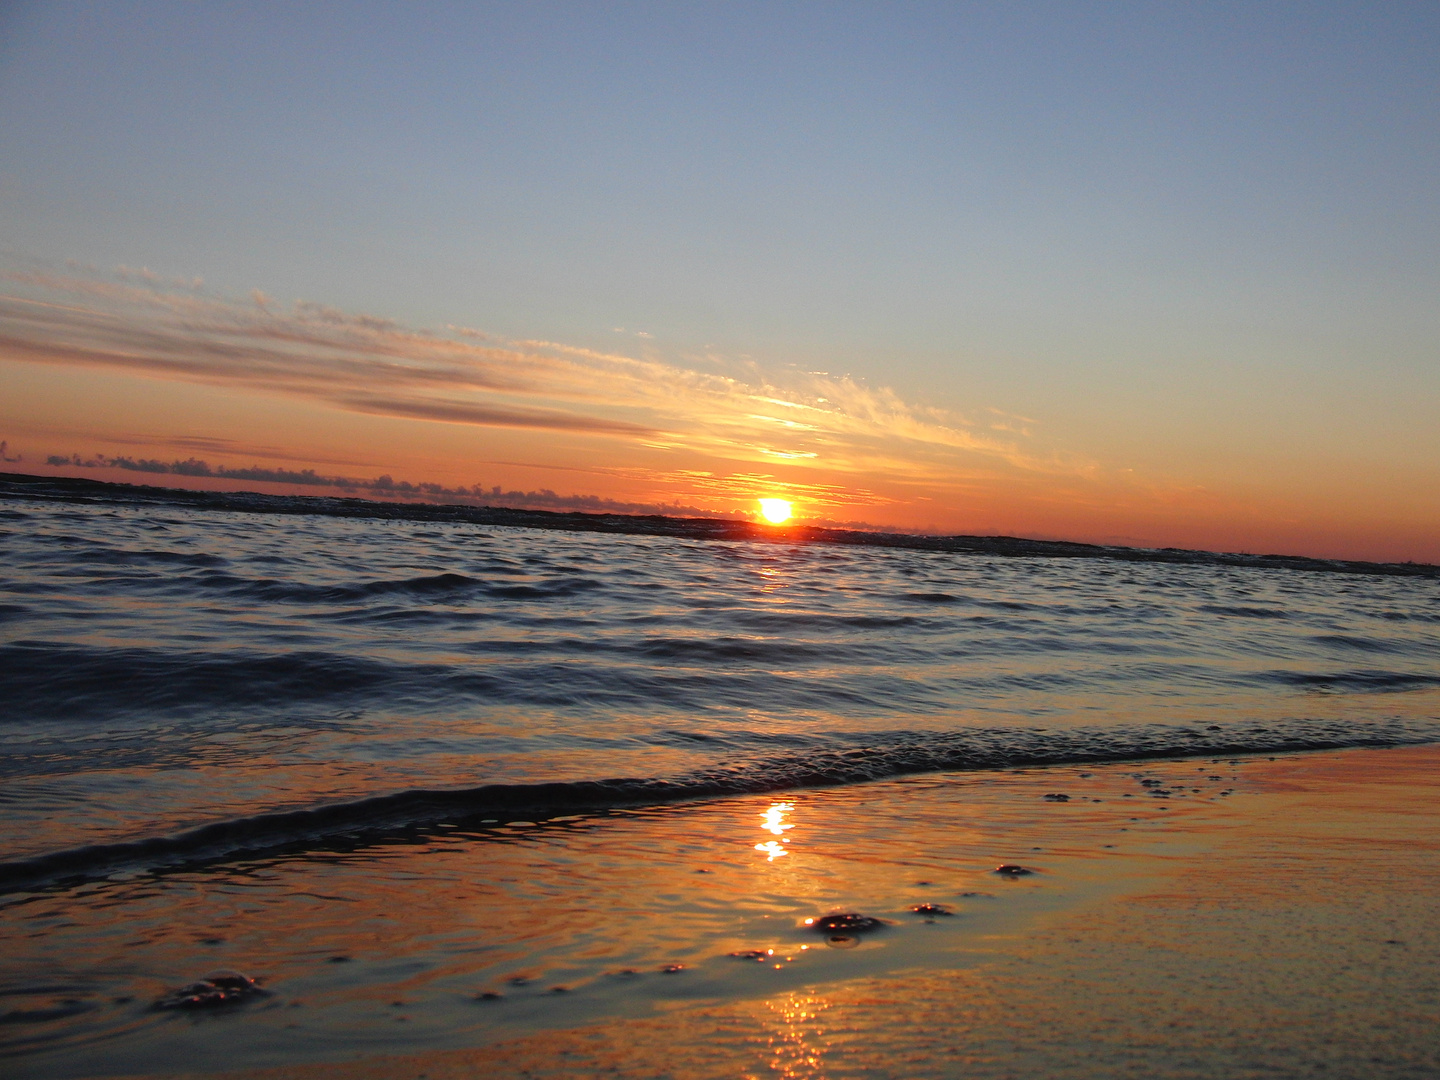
1055, 796
845, 922
214, 990
931, 910
1013, 870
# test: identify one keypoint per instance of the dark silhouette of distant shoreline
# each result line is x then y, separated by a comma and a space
69, 489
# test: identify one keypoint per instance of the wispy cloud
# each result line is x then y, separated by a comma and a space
801, 422
460, 412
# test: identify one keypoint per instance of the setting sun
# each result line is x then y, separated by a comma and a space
775, 511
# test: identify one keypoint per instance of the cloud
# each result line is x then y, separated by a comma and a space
206, 444
486, 416
144, 273
364, 363
379, 487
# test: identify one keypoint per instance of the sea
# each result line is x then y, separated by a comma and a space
192, 696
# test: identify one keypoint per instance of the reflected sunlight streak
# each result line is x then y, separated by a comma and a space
797, 1037
773, 821
773, 850
774, 818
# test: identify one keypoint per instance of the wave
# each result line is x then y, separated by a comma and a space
211, 578
1350, 643
835, 764
1371, 681
167, 558
1243, 611
13, 612
48, 680
447, 586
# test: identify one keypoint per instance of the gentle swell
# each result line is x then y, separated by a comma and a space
1368, 680
897, 754
431, 586
44, 679
40, 679
1244, 612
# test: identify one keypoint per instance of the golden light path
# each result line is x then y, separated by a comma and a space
775, 511
774, 822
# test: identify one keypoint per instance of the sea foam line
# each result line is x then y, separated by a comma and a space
897, 754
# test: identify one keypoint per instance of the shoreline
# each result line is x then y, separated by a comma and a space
80, 489
340, 824
1162, 919
1298, 940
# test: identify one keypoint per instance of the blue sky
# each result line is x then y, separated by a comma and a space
1194, 241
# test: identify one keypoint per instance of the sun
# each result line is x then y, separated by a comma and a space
775, 511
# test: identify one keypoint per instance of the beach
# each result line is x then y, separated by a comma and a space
753, 542
1293, 934
1284, 929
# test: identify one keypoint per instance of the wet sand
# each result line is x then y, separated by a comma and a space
1288, 928
1300, 937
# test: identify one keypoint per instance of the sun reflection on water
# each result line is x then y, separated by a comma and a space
773, 849
774, 822
774, 818
799, 1035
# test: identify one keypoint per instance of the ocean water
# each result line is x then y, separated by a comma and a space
436, 784
177, 683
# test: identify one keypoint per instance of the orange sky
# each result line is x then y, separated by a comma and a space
111, 366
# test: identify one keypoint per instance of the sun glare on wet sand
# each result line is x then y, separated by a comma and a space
775, 511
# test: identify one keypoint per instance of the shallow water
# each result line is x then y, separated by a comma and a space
459, 936
566, 933
163, 670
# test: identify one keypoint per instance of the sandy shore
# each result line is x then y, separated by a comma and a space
1292, 931
1189, 918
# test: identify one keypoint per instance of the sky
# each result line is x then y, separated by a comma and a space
1157, 274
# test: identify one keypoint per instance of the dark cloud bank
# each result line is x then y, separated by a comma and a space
384, 486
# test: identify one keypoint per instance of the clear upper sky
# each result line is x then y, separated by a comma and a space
1164, 273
